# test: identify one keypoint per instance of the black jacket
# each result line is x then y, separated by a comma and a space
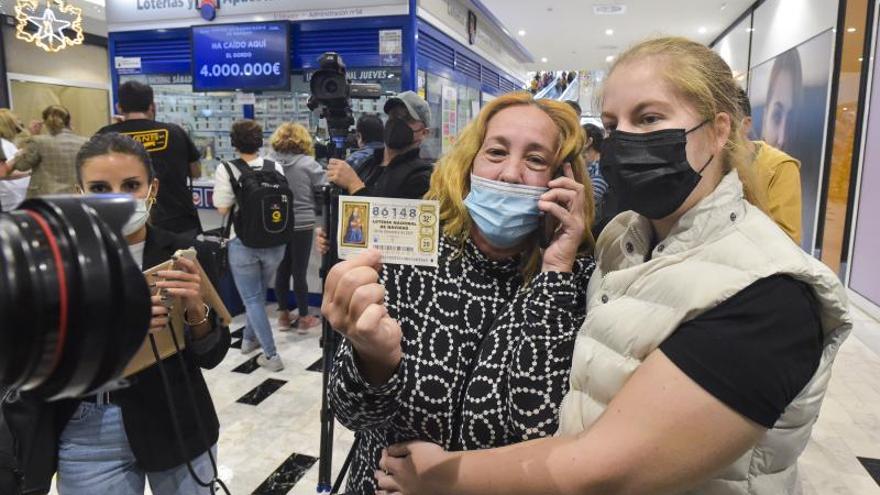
30, 429
407, 176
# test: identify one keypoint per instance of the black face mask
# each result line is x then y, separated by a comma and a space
650, 171
398, 134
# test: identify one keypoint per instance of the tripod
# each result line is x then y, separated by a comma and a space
329, 338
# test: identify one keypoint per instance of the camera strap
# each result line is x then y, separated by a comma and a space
172, 407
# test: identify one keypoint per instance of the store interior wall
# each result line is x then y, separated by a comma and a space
734, 48
864, 267
846, 114
792, 52
72, 68
86, 63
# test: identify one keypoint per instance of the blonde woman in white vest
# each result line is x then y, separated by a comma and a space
710, 335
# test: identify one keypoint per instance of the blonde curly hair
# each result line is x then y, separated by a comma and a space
292, 138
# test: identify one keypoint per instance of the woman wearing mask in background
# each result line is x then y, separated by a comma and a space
292, 149
12, 133
115, 441
473, 353
50, 157
709, 336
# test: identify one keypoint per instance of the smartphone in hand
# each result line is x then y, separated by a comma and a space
549, 224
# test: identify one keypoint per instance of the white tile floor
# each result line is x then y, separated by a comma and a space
255, 440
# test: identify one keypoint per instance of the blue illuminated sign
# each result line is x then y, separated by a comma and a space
248, 57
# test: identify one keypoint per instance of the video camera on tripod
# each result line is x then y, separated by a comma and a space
332, 93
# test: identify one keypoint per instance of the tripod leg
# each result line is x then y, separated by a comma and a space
328, 343
345, 466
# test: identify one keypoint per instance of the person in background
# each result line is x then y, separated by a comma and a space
174, 155
535, 83
369, 129
12, 133
253, 269
778, 173
395, 171
292, 149
592, 153
710, 336
472, 353
50, 157
571, 75
114, 442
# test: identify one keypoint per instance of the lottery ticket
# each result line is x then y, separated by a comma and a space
405, 231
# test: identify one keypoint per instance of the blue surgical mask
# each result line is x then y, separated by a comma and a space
506, 214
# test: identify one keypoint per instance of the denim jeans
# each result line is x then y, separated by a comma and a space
253, 270
94, 457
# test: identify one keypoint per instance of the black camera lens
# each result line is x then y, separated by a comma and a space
74, 305
331, 87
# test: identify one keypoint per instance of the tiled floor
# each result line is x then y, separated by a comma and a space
272, 447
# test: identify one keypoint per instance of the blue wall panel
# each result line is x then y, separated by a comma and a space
444, 56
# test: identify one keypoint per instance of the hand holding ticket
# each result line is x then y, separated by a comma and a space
405, 231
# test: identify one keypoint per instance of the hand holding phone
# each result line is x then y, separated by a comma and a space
549, 224
563, 225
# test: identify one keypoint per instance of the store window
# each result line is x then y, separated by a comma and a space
207, 117
452, 105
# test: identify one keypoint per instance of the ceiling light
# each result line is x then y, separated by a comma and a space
609, 32
750, 30
703, 30
609, 58
607, 9
861, 59
544, 59
851, 30
521, 32
845, 109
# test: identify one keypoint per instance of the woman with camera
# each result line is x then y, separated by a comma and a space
475, 352
113, 442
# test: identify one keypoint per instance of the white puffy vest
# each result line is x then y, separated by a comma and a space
718, 248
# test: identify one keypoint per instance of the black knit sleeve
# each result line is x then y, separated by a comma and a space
537, 378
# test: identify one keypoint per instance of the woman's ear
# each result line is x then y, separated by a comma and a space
154, 189
721, 126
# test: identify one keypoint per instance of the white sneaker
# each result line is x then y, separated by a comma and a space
249, 346
273, 363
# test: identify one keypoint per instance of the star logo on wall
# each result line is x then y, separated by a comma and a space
57, 24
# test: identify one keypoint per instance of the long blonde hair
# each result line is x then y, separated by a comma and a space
450, 182
704, 79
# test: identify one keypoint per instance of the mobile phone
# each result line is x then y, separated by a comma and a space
548, 223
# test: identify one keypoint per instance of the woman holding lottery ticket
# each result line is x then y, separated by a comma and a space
476, 352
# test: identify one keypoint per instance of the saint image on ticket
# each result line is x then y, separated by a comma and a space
405, 231
355, 224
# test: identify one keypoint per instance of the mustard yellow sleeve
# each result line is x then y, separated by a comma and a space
27, 159
784, 198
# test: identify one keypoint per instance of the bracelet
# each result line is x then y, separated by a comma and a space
193, 324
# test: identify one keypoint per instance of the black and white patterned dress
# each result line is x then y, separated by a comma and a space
485, 360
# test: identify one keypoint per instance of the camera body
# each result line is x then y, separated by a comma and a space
332, 92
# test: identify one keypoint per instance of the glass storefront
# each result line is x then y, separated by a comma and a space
207, 117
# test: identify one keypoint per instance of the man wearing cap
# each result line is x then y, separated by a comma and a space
395, 171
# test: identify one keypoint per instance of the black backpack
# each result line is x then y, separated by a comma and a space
263, 215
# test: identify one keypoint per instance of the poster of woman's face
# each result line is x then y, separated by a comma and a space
789, 95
